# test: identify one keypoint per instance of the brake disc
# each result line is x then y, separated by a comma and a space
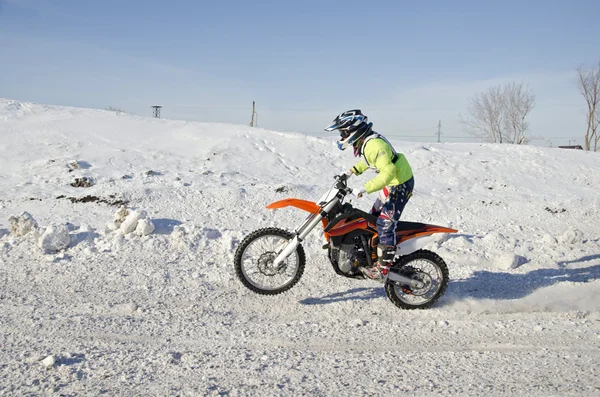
265, 264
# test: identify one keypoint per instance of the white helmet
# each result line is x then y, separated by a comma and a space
352, 125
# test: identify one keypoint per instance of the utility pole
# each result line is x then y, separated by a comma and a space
439, 133
252, 122
156, 111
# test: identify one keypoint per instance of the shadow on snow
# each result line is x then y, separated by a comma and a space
165, 226
497, 285
485, 284
355, 294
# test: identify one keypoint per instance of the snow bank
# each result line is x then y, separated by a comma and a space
52, 239
58, 237
527, 249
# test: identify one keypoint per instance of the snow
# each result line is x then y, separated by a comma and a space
55, 238
49, 362
126, 310
128, 221
22, 224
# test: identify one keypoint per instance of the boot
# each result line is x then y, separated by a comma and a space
386, 254
380, 271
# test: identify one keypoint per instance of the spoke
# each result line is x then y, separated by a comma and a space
434, 273
258, 267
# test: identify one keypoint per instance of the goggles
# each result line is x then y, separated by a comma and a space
344, 133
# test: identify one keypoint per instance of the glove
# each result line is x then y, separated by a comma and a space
348, 174
357, 190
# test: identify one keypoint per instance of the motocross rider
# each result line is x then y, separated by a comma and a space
394, 181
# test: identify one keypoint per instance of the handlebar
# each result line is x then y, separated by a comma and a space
341, 183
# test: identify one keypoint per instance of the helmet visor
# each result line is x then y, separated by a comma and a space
333, 126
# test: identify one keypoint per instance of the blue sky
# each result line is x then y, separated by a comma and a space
406, 65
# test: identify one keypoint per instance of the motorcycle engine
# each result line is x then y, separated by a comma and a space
348, 257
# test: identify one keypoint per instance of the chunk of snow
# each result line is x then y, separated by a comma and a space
357, 323
49, 361
130, 223
22, 224
112, 226
571, 236
55, 238
118, 219
549, 240
510, 260
144, 227
120, 216
126, 308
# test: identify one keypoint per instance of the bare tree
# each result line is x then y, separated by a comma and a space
485, 113
498, 115
588, 80
519, 102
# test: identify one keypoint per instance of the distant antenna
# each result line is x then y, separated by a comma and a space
252, 122
156, 111
439, 133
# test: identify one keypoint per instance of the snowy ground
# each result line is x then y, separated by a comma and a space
164, 315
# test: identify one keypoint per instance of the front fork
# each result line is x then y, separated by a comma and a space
307, 226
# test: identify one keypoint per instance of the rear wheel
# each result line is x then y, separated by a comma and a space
426, 267
254, 259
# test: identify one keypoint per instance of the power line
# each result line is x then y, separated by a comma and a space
407, 133
377, 109
276, 109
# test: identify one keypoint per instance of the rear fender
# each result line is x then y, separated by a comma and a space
414, 240
414, 244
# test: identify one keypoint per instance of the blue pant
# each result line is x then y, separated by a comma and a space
388, 208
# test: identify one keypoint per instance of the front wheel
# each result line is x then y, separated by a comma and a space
254, 259
426, 267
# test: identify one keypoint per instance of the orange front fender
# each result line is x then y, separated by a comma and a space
304, 205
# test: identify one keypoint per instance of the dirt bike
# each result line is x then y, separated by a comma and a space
270, 261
